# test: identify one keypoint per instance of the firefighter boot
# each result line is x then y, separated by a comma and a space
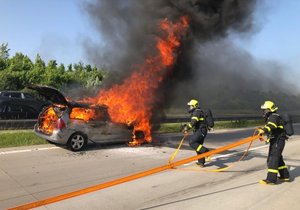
284, 179
266, 182
200, 164
284, 175
208, 158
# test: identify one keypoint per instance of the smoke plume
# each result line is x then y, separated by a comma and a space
128, 28
209, 67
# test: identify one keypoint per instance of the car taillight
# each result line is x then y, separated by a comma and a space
60, 124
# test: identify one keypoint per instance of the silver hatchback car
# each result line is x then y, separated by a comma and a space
75, 124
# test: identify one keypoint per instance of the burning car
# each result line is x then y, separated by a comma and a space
75, 124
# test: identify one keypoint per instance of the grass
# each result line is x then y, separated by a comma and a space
16, 138
19, 138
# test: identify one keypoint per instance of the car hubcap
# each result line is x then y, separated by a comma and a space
77, 142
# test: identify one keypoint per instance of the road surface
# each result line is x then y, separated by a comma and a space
28, 174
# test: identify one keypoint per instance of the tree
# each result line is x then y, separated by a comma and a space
70, 67
4, 51
52, 64
88, 68
20, 62
4, 54
15, 75
36, 76
79, 67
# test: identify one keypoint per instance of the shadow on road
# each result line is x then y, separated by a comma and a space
294, 172
199, 196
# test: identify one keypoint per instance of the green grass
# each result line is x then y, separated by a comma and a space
15, 138
19, 138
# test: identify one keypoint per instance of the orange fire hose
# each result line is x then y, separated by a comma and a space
133, 176
213, 170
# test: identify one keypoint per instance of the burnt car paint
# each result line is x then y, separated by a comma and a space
77, 132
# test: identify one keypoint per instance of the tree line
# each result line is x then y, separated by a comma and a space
18, 71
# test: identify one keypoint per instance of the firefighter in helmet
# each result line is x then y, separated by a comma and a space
276, 137
199, 127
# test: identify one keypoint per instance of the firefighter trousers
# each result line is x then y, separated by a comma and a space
275, 161
196, 142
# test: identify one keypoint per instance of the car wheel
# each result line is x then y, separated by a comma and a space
77, 142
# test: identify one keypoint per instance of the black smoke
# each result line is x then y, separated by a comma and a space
128, 28
209, 67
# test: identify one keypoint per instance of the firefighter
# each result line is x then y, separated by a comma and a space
276, 137
200, 129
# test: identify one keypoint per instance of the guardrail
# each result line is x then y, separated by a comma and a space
16, 124
29, 124
221, 118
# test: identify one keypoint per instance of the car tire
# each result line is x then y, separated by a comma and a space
77, 141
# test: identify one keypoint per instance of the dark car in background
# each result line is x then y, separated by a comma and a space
16, 94
11, 110
19, 105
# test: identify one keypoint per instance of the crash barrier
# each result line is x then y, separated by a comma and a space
134, 176
221, 118
28, 124
16, 124
295, 118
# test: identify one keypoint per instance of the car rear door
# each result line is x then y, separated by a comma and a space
103, 130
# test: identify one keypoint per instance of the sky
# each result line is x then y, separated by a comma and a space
56, 29
278, 36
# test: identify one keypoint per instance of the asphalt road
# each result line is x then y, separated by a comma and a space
28, 174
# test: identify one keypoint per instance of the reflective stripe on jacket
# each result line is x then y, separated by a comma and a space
197, 119
274, 124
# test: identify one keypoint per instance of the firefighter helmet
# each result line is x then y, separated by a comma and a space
193, 103
270, 106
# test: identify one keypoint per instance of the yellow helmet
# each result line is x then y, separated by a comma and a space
270, 106
193, 103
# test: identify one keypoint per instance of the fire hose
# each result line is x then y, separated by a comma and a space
172, 157
134, 176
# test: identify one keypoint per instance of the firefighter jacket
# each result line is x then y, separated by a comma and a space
197, 119
274, 125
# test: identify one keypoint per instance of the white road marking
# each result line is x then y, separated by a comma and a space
27, 150
231, 154
292, 168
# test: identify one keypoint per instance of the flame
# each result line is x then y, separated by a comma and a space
48, 120
132, 101
85, 114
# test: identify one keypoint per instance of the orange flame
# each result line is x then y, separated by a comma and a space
82, 114
132, 101
48, 120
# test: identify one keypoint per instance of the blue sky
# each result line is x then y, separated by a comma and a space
53, 28
56, 29
278, 38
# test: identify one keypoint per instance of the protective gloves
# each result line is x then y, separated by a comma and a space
184, 128
260, 131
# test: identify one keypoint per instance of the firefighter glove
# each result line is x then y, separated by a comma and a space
260, 131
185, 128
